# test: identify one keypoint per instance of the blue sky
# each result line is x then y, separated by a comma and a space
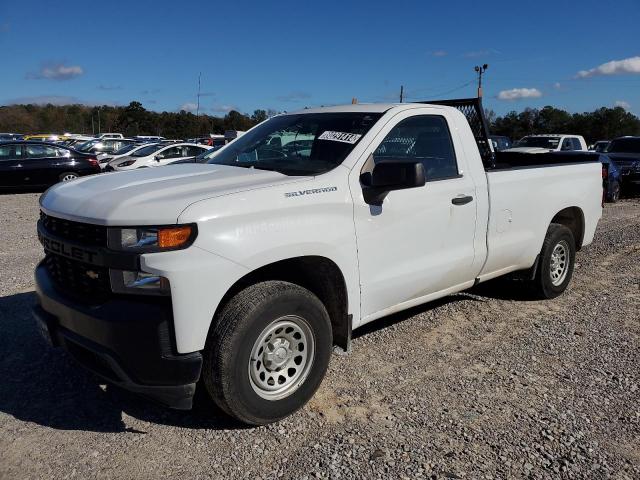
289, 54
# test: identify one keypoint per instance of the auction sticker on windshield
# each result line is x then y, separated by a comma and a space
340, 137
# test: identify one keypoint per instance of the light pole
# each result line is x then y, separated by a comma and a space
480, 70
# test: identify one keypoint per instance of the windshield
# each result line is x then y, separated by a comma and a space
302, 144
540, 142
625, 145
148, 150
85, 146
125, 149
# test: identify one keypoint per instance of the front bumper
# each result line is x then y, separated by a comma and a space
125, 341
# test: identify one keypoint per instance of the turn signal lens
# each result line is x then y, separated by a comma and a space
174, 237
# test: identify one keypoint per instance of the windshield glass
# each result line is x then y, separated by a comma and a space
540, 142
125, 149
148, 150
625, 145
85, 146
302, 144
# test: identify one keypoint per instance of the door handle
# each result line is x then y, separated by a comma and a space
462, 200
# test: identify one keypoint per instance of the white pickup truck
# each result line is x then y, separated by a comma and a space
240, 275
550, 143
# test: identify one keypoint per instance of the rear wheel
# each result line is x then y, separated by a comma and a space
268, 352
556, 262
614, 195
68, 176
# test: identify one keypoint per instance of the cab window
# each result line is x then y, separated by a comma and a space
425, 138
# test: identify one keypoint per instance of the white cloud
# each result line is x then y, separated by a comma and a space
557, 86
623, 104
438, 53
56, 71
614, 67
189, 107
519, 93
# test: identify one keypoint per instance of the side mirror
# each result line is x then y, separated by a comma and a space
391, 174
159, 157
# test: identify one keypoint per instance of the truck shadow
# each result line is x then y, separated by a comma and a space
44, 385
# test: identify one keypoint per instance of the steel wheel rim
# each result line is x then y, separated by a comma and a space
559, 263
281, 357
69, 176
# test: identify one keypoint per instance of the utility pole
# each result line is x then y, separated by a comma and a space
99, 129
93, 127
480, 71
198, 104
401, 93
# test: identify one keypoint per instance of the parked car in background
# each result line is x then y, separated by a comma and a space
128, 149
600, 146
212, 140
108, 135
156, 155
7, 137
76, 140
625, 153
549, 143
230, 135
500, 142
42, 137
105, 146
204, 157
39, 164
611, 179
148, 138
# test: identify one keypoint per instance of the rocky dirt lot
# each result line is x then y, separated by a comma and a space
483, 384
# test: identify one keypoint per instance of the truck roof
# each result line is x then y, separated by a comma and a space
365, 107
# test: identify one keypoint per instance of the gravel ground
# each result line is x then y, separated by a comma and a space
483, 384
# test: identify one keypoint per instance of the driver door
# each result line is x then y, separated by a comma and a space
420, 241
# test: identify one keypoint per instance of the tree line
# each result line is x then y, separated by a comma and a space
131, 120
601, 124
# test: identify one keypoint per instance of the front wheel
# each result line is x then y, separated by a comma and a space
68, 176
556, 262
268, 352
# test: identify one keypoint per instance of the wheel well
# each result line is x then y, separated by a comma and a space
317, 274
573, 219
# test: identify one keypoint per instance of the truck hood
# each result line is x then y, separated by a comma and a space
151, 196
529, 150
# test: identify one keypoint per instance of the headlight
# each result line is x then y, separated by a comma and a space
126, 163
138, 283
152, 239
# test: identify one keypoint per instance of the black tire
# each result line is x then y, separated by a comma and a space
67, 176
614, 195
239, 327
547, 282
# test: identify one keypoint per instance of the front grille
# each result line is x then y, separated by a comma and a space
87, 283
83, 233
82, 281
